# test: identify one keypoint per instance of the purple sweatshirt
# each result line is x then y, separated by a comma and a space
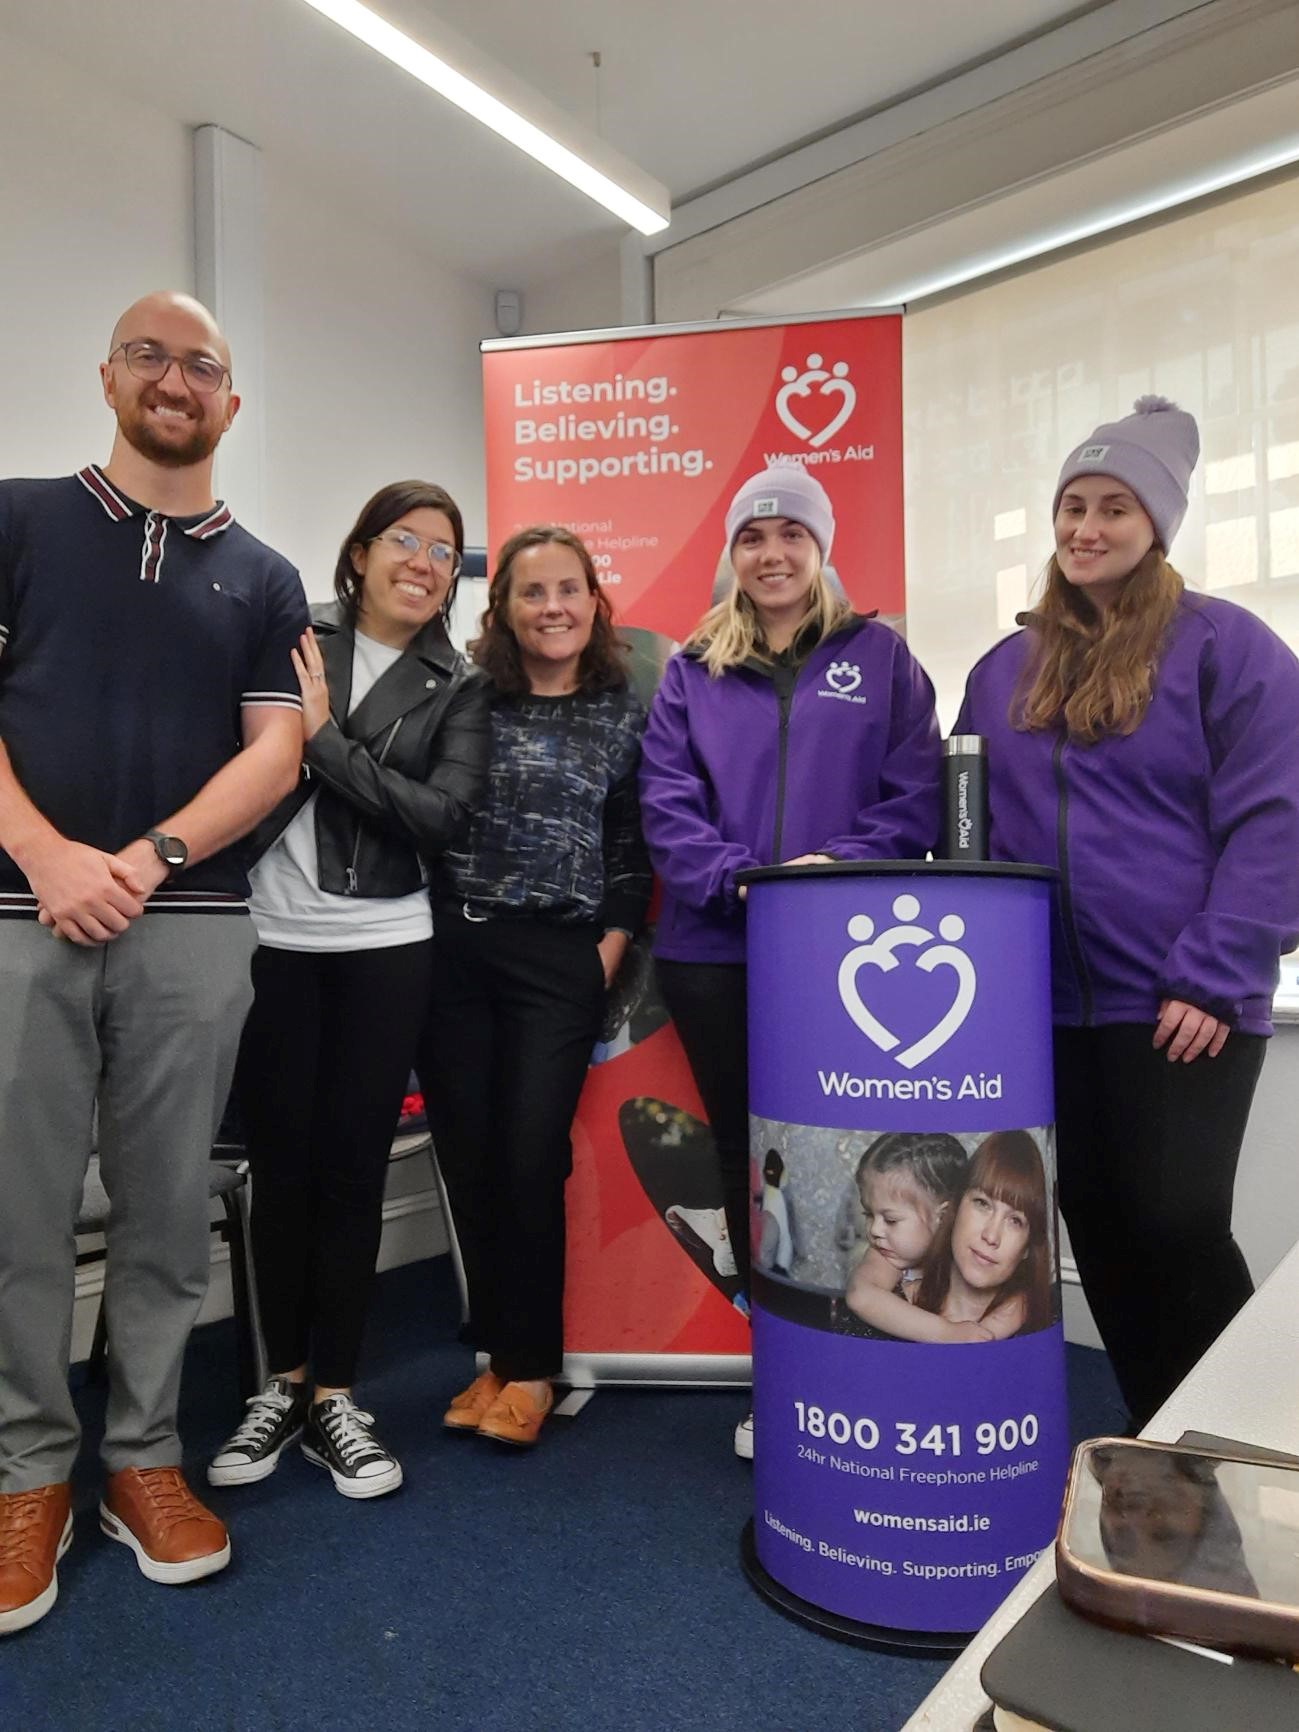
837, 755
1177, 845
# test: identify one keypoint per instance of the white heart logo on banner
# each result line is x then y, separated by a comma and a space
833, 384
879, 953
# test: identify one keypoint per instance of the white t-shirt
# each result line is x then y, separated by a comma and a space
291, 911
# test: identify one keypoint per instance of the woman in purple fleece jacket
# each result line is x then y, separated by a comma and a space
1142, 740
788, 729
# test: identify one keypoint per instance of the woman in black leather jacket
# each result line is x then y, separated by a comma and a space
396, 735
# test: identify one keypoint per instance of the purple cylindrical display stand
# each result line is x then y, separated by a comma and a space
908, 1361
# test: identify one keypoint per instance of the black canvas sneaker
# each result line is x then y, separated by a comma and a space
340, 1436
272, 1420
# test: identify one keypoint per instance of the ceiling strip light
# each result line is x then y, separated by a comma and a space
403, 51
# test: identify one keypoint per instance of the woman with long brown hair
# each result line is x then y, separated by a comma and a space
1141, 739
532, 917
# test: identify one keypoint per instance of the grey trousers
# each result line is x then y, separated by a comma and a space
147, 1027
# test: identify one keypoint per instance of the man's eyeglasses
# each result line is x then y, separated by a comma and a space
409, 544
151, 362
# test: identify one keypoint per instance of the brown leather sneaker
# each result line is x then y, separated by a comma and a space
516, 1416
35, 1531
174, 1538
467, 1409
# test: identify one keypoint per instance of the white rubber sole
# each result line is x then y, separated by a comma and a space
22, 1616
744, 1439
170, 1575
375, 1487
249, 1472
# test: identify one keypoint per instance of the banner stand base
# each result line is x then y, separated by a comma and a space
912, 1644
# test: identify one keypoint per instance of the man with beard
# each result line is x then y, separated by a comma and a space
149, 716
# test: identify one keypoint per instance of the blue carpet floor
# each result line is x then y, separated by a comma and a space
594, 1584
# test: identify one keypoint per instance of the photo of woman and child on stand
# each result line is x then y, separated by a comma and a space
913, 1235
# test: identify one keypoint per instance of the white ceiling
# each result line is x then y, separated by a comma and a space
692, 90
697, 90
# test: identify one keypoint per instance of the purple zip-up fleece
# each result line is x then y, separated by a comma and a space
839, 755
1177, 845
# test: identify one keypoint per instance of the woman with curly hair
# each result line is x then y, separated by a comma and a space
532, 917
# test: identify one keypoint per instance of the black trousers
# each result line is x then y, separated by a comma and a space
1147, 1160
324, 1063
708, 1004
516, 1010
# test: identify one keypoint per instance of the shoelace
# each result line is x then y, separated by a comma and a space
348, 1434
20, 1518
264, 1413
167, 1491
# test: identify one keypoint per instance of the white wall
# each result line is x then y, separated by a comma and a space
95, 200
372, 374
372, 366
585, 296
1267, 1189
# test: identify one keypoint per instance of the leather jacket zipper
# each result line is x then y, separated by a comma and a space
356, 846
1066, 893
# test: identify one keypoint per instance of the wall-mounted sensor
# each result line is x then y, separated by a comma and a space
509, 312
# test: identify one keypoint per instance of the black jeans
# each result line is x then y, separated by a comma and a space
708, 1004
325, 1059
1147, 1160
516, 1008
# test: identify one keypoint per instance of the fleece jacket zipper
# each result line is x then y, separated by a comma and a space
783, 680
1066, 893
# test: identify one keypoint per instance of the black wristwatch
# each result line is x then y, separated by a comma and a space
170, 850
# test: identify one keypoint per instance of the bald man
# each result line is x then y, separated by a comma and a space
149, 717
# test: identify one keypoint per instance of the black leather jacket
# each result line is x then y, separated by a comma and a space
398, 778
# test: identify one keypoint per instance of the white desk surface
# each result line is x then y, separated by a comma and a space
1246, 1387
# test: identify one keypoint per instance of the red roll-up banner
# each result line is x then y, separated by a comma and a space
637, 440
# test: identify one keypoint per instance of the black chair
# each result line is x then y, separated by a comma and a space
228, 1185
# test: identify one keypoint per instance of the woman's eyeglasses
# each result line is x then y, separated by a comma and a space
151, 362
409, 544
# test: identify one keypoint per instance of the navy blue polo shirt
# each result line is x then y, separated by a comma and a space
129, 644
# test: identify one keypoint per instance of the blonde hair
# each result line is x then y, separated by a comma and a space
1092, 669
731, 632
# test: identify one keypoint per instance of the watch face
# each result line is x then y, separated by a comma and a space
170, 849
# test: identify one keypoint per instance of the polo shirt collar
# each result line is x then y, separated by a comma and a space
117, 506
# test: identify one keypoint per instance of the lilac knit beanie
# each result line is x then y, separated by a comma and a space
784, 490
1152, 451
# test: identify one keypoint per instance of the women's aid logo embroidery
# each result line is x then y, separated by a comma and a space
841, 680
880, 952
